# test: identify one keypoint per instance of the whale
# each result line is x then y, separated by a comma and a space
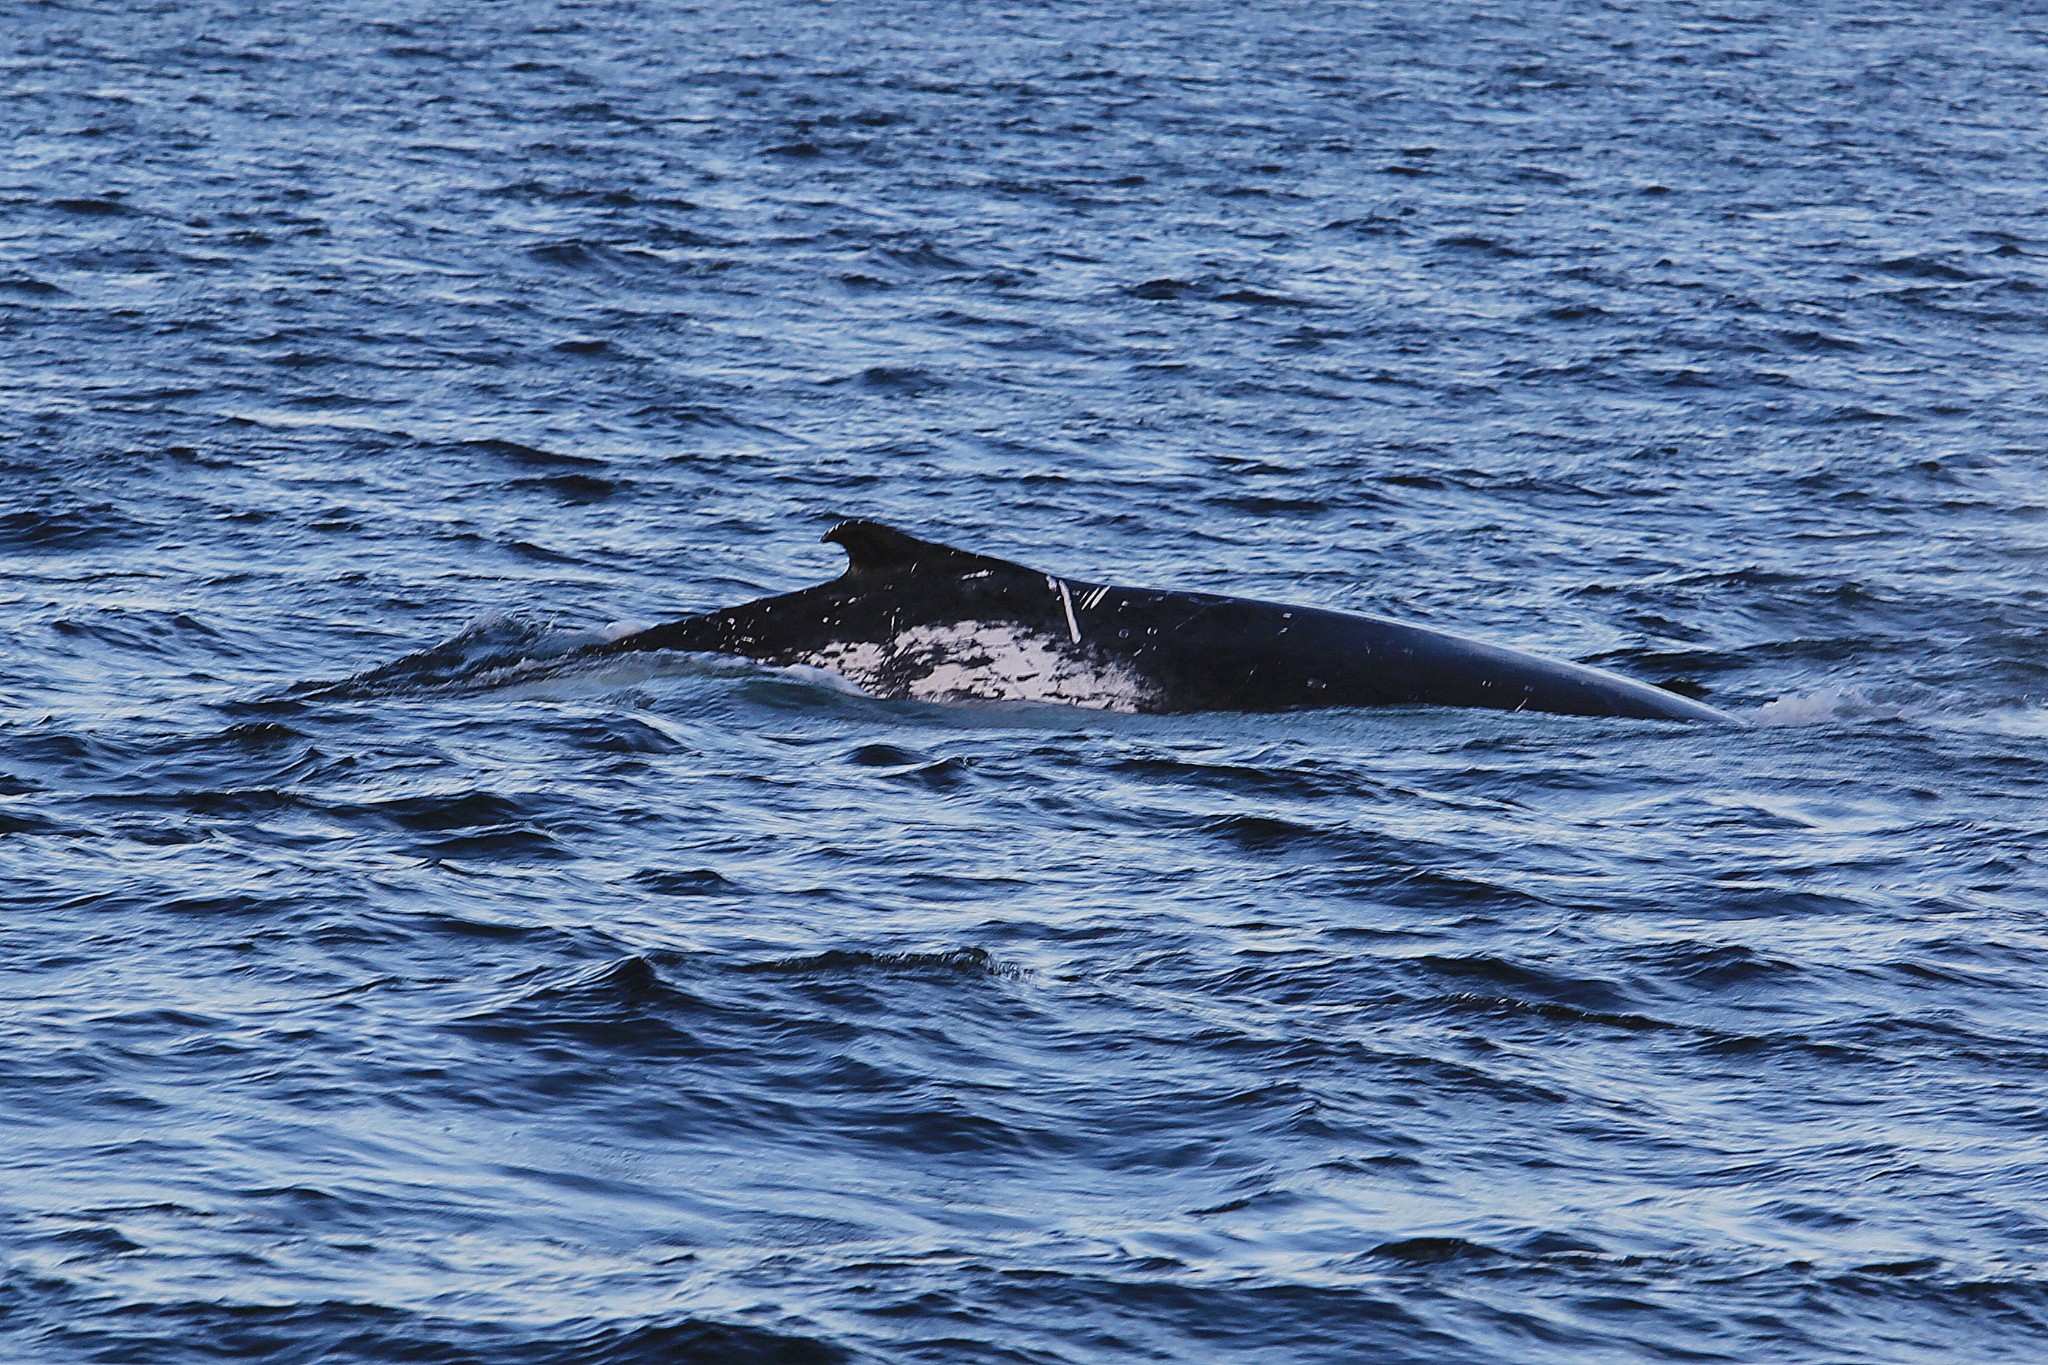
912, 619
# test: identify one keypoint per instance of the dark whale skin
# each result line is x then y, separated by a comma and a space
1192, 651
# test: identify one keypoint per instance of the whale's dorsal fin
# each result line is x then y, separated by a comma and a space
872, 548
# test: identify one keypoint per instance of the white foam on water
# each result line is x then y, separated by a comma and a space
1817, 708
830, 679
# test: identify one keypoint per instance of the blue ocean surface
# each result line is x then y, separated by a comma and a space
491, 1006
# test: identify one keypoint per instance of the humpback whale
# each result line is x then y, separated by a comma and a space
913, 619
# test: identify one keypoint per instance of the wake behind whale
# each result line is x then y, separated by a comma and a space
912, 619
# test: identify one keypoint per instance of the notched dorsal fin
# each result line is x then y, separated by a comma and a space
872, 548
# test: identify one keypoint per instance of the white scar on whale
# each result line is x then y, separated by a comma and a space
985, 661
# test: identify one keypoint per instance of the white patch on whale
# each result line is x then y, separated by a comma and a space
985, 661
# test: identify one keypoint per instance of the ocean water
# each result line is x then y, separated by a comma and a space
675, 1009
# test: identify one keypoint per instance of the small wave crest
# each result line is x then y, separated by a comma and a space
488, 645
508, 650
